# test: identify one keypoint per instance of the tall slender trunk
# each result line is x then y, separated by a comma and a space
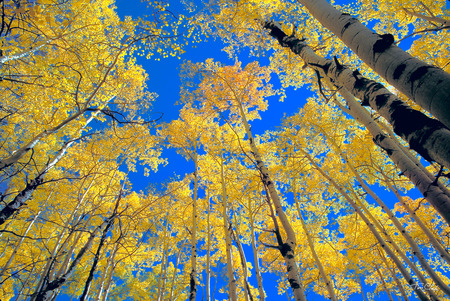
109, 224
23, 235
193, 274
236, 235
106, 271
22, 54
383, 283
262, 295
394, 276
208, 249
427, 136
227, 233
105, 292
431, 191
288, 248
21, 198
434, 242
328, 283
414, 247
46, 291
177, 262
427, 85
422, 296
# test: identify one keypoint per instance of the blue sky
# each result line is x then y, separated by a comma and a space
164, 80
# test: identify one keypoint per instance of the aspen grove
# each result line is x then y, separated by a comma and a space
347, 197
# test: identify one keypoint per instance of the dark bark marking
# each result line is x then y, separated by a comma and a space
294, 284
418, 74
385, 41
275, 31
381, 100
369, 87
416, 132
348, 24
284, 249
339, 66
399, 71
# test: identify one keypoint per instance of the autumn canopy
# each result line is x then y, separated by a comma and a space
346, 198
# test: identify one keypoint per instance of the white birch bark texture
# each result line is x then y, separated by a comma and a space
430, 190
287, 250
21, 198
427, 136
409, 279
434, 195
427, 85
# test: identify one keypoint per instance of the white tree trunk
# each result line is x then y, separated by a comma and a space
427, 85
427, 136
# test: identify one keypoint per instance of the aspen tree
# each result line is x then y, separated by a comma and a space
384, 245
326, 280
416, 250
425, 135
433, 193
428, 86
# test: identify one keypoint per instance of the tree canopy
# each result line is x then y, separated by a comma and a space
345, 198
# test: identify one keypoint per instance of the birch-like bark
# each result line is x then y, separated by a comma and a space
394, 276
443, 253
23, 235
109, 224
262, 295
174, 276
227, 229
46, 292
59, 245
21, 198
328, 283
435, 196
383, 283
414, 247
106, 271
208, 250
18, 154
427, 136
193, 274
235, 234
414, 159
107, 288
427, 85
22, 54
409, 279
287, 250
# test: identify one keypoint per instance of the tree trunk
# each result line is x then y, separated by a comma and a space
235, 234
262, 295
422, 296
46, 291
392, 271
193, 274
383, 283
427, 85
414, 247
443, 253
287, 250
109, 224
435, 196
427, 136
323, 275
26, 194
227, 230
